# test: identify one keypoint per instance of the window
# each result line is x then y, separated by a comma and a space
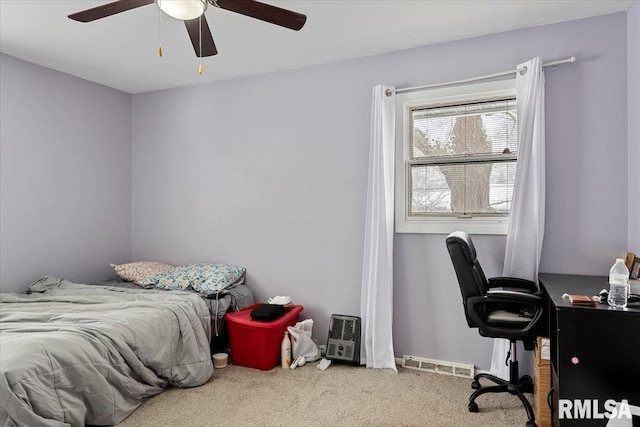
457, 155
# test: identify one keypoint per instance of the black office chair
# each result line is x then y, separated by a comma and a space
501, 307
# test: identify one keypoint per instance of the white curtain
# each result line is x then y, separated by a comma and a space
526, 225
376, 304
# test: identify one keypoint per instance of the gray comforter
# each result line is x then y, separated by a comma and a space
234, 298
74, 354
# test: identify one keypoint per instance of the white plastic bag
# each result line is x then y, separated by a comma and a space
301, 341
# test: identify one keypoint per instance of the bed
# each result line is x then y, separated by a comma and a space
74, 354
233, 298
221, 286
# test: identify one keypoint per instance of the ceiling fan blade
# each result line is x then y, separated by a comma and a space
108, 10
193, 28
264, 12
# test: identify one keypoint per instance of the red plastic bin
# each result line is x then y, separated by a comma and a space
256, 344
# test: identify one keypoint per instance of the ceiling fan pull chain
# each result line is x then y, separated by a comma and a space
160, 49
200, 67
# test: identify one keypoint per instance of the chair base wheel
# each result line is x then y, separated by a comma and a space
475, 385
473, 407
530, 424
527, 383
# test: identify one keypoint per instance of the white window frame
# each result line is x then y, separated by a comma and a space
407, 101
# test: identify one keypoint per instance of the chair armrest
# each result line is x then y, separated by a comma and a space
513, 282
507, 296
476, 308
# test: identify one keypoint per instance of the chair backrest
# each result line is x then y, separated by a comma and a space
471, 278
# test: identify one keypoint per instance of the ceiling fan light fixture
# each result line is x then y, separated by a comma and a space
183, 9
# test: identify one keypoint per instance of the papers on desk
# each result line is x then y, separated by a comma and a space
545, 349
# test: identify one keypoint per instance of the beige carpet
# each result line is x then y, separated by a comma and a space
340, 396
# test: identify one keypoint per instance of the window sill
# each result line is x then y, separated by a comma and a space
446, 225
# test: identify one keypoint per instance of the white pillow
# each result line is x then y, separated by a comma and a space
138, 272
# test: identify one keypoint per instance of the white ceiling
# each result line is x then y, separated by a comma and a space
121, 51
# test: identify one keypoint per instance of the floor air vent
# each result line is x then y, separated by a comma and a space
438, 366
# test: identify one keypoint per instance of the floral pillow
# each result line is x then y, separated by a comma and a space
138, 272
205, 278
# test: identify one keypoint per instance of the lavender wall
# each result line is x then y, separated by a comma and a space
270, 172
633, 49
65, 175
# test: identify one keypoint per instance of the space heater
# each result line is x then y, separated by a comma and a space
343, 344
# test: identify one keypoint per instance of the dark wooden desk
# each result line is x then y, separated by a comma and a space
595, 351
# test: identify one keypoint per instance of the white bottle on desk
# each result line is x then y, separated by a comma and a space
618, 284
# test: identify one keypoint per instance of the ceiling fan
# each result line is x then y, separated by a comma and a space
192, 13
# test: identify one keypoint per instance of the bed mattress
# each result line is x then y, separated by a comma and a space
73, 354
